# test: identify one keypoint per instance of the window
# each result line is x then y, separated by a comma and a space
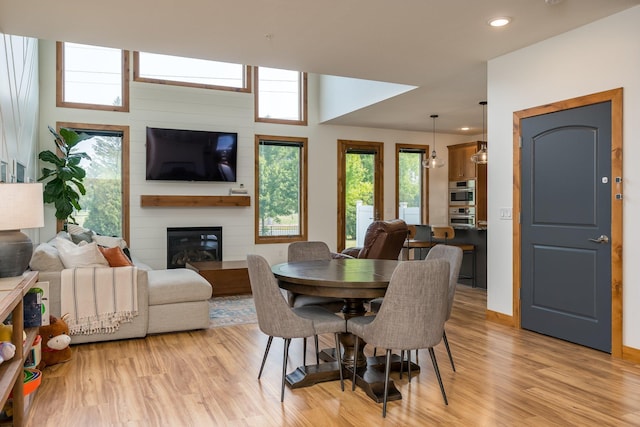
105, 206
92, 77
281, 96
281, 189
192, 72
412, 184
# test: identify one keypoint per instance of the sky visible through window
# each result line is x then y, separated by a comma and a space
92, 74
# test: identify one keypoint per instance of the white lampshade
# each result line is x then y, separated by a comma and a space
21, 206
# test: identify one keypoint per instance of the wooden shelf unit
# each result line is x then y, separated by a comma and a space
12, 292
147, 201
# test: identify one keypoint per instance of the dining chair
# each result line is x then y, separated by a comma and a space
310, 251
453, 255
277, 319
412, 316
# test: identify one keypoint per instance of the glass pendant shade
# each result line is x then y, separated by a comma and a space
433, 161
481, 157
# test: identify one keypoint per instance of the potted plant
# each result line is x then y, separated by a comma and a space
64, 181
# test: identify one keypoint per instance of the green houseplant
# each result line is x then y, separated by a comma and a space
64, 180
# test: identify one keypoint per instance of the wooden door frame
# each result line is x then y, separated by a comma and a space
378, 187
615, 97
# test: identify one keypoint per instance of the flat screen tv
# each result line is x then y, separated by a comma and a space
191, 155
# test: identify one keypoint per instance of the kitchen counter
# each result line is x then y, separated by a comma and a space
468, 235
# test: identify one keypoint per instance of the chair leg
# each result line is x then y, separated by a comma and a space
446, 344
339, 357
315, 338
355, 356
304, 352
264, 358
401, 362
437, 371
287, 341
409, 364
387, 370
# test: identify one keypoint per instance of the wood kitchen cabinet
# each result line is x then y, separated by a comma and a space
461, 167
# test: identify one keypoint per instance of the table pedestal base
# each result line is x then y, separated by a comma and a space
370, 377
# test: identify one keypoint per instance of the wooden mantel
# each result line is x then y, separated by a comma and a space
193, 201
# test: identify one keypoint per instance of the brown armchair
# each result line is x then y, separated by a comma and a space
383, 240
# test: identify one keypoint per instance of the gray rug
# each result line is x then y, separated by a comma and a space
231, 310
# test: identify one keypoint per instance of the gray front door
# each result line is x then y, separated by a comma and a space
566, 224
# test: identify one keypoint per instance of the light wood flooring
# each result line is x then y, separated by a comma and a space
505, 377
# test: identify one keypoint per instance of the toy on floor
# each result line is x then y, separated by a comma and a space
55, 342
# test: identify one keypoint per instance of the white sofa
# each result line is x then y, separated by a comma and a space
168, 300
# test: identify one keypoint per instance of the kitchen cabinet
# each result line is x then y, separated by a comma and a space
461, 168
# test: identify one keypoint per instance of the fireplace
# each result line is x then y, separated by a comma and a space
186, 244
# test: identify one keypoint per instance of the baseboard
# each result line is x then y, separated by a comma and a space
631, 354
501, 318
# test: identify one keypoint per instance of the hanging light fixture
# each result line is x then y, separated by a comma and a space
433, 161
481, 156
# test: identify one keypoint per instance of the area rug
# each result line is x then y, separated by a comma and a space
231, 310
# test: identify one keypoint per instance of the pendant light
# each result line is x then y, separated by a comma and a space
481, 157
433, 161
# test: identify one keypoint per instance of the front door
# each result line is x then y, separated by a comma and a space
566, 224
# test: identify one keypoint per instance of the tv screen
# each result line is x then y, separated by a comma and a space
191, 155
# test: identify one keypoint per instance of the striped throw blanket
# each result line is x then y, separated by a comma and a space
98, 300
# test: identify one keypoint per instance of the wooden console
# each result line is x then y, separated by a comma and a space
226, 277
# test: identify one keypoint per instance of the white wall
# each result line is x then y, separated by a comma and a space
597, 57
180, 107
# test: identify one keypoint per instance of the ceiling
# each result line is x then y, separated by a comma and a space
440, 46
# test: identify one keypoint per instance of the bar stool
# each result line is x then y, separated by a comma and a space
444, 233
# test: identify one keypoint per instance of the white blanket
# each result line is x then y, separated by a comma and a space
98, 300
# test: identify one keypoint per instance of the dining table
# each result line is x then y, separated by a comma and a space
356, 281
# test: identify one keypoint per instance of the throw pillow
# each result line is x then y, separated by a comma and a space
82, 237
46, 258
109, 242
87, 255
115, 257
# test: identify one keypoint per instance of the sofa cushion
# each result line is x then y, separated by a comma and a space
115, 257
109, 242
177, 285
73, 255
46, 258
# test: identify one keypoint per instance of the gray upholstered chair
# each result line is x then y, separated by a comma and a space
412, 315
277, 319
453, 254
309, 251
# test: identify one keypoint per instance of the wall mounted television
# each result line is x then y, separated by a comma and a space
191, 155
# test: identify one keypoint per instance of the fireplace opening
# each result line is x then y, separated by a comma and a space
185, 244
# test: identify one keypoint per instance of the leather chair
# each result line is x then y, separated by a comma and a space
383, 240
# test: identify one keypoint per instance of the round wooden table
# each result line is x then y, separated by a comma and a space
356, 281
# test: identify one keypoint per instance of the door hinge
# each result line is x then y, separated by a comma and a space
520, 143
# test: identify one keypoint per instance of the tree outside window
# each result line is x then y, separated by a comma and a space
280, 189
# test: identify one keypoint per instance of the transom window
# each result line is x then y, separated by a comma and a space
281, 189
193, 72
92, 77
281, 96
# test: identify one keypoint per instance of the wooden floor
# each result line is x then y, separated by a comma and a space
505, 377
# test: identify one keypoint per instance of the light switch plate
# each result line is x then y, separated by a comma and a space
505, 213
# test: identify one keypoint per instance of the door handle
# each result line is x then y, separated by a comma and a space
602, 239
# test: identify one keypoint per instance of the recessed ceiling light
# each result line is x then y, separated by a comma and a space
500, 21
465, 128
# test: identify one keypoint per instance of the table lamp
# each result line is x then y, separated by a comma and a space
21, 207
